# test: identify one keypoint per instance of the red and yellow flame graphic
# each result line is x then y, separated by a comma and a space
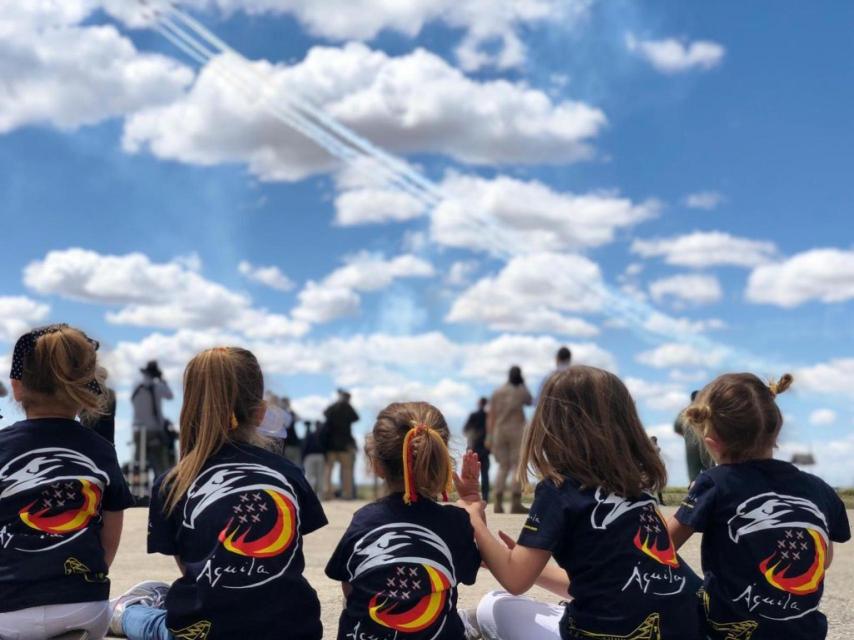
666, 555
68, 521
422, 615
270, 544
807, 582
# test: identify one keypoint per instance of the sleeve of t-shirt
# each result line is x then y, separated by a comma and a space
547, 521
838, 525
697, 508
336, 568
117, 495
311, 512
162, 532
467, 557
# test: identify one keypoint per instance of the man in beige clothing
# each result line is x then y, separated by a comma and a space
506, 428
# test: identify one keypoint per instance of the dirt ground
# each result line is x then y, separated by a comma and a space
133, 565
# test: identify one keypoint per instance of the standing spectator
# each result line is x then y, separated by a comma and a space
293, 444
563, 359
313, 456
151, 440
505, 428
103, 422
340, 444
696, 455
654, 440
475, 433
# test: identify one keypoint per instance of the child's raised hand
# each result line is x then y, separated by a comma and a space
468, 480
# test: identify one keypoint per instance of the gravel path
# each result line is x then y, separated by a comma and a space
133, 565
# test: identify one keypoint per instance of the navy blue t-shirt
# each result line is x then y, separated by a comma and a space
404, 564
238, 532
766, 528
625, 576
57, 477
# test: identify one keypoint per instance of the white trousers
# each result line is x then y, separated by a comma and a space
41, 623
501, 616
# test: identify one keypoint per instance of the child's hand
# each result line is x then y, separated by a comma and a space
475, 509
468, 481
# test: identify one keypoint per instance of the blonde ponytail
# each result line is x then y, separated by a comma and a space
223, 391
410, 441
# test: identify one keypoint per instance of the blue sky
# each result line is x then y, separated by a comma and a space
689, 159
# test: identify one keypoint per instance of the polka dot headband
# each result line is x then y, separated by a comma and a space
26, 344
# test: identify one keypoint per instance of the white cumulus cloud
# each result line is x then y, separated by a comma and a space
515, 215
689, 288
168, 295
701, 249
491, 28
414, 103
534, 293
270, 276
19, 314
675, 354
61, 73
677, 56
826, 275
337, 294
831, 377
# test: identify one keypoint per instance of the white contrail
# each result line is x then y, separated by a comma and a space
295, 111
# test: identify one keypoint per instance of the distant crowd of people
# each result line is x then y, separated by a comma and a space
233, 512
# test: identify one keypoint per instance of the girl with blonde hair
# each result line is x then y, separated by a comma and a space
402, 557
768, 528
62, 492
233, 514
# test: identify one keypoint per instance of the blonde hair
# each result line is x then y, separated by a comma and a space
739, 409
60, 371
586, 426
416, 431
223, 392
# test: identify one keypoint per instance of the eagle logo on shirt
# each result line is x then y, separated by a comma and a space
414, 569
795, 534
652, 538
257, 517
59, 492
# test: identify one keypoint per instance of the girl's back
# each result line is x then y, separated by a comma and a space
625, 577
402, 557
766, 530
56, 479
404, 563
238, 533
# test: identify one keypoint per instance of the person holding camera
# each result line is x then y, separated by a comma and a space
151, 431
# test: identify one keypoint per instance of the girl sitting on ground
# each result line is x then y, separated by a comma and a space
402, 557
768, 528
62, 492
596, 514
233, 515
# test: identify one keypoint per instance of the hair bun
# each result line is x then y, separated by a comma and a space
781, 385
698, 413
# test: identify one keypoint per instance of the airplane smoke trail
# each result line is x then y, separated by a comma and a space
310, 120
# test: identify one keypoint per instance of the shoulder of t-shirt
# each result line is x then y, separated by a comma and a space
369, 517
819, 485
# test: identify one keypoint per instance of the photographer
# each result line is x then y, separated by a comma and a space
152, 440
